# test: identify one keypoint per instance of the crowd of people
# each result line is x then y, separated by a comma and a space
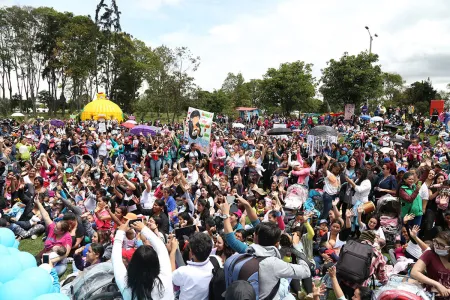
178, 222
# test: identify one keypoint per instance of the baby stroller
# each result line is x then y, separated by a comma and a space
95, 283
389, 209
401, 287
296, 195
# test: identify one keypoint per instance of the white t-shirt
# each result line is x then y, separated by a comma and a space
332, 183
239, 161
193, 280
424, 193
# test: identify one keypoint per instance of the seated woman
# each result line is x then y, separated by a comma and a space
94, 256
149, 273
57, 234
436, 264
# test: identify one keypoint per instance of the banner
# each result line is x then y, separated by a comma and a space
349, 111
197, 128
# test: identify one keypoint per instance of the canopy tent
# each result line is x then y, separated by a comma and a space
102, 108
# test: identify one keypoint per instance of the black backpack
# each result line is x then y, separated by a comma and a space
354, 262
217, 285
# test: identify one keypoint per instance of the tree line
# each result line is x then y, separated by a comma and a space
62, 60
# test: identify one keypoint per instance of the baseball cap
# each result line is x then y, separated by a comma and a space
69, 170
344, 149
323, 221
401, 170
386, 159
238, 213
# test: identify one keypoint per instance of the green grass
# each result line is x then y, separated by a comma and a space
35, 246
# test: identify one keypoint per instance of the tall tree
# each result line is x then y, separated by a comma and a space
420, 94
234, 85
289, 87
107, 18
352, 79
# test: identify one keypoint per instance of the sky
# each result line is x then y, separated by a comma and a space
250, 36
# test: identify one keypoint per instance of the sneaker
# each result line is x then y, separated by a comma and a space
33, 237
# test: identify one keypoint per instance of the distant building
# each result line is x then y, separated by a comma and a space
246, 113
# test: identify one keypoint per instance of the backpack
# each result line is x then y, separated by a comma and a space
246, 267
354, 262
217, 284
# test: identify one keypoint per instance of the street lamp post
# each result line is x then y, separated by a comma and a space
370, 52
371, 39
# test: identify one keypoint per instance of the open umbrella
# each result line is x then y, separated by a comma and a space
365, 117
238, 125
386, 150
144, 129
57, 123
131, 121
390, 127
17, 115
323, 130
377, 119
128, 125
279, 131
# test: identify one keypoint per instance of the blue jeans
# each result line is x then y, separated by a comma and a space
155, 168
327, 204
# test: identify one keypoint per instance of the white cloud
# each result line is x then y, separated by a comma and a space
316, 32
154, 5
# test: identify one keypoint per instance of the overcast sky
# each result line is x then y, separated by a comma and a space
250, 36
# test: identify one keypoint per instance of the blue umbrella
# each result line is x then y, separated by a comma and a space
365, 117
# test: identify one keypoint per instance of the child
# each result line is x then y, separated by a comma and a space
323, 227
16, 210
261, 208
130, 241
325, 248
57, 251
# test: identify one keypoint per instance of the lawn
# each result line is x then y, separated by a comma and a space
35, 246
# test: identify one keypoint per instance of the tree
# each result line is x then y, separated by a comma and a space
254, 91
351, 79
234, 86
392, 86
215, 102
289, 87
420, 94
108, 23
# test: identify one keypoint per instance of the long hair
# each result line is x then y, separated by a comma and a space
143, 273
363, 175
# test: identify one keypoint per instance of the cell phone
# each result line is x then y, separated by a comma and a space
45, 259
184, 231
133, 221
231, 199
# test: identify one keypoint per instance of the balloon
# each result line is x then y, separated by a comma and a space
16, 289
53, 296
23, 149
7, 237
26, 260
9, 268
13, 251
3, 250
16, 244
37, 279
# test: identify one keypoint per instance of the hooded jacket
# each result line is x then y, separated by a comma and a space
273, 268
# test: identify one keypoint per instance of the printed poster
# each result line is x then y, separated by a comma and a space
349, 111
197, 128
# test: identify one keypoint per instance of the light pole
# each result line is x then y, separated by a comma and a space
371, 39
370, 52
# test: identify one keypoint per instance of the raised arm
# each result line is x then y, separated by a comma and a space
44, 213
